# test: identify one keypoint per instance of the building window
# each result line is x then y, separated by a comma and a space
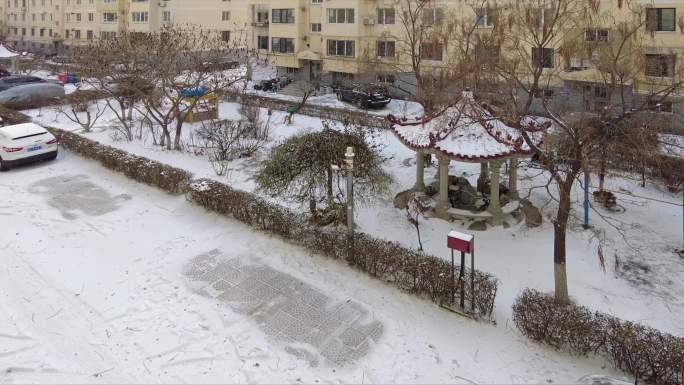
600, 92
225, 16
262, 17
660, 65
109, 17
385, 15
225, 35
487, 56
661, 19
262, 42
341, 15
542, 57
484, 17
316, 27
283, 16
596, 35
341, 48
282, 45
139, 17
431, 51
433, 16
386, 49
385, 78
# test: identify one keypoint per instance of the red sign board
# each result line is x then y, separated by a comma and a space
460, 242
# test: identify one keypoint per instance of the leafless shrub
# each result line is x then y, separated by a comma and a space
83, 111
227, 140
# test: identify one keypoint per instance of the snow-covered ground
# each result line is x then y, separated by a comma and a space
95, 288
642, 275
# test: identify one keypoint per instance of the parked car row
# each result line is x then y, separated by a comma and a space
19, 91
275, 84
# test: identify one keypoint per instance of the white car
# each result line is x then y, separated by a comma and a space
25, 143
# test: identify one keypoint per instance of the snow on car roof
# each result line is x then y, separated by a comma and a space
24, 129
468, 131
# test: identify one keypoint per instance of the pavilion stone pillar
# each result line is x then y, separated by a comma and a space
442, 209
483, 179
513, 179
494, 201
420, 172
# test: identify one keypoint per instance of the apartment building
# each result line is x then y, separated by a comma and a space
332, 40
32, 25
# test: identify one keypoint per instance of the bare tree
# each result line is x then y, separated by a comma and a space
436, 51
305, 90
114, 66
83, 110
529, 68
162, 74
415, 210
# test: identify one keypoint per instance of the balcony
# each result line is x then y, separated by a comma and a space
261, 24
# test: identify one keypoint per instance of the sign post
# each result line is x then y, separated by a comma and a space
465, 243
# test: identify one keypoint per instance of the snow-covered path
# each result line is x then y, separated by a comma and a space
93, 288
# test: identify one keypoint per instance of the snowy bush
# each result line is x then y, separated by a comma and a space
408, 269
646, 353
169, 179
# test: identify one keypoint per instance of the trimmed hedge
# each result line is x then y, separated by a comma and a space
644, 352
170, 179
317, 111
408, 269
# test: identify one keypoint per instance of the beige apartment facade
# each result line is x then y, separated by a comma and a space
328, 41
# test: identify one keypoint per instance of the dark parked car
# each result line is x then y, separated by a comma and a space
222, 65
8, 82
275, 84
4, 73
367, 96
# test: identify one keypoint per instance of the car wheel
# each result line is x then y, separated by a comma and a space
52, 157
3, 166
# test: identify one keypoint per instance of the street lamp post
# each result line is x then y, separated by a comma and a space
349, 160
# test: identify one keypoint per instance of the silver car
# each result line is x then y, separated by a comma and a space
30, 94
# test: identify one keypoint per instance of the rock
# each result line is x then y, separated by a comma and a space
478, 226
464, 195
402, 199
533, 217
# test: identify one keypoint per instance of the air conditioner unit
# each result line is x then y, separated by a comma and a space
368, 21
